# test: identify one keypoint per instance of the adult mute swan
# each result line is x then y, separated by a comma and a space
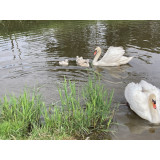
144, 100
113, 57
64, 63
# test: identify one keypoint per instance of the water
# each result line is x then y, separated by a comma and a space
30, 52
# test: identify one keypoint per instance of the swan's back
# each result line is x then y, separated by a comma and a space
147, 86
135, 97
138, 100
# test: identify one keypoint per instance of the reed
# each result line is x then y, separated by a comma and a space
81, 113
18, 115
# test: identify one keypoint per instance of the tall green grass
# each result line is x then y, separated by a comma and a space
18, 115
82, 112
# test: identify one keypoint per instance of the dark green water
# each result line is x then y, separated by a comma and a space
30, 52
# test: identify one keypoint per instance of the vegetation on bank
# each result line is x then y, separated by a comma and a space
80, 113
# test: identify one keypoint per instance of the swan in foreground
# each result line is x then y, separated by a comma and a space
144, 100
113, 57
64, 63
82, 62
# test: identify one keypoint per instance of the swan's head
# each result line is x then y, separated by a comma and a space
152, 101
97, 50
154, 108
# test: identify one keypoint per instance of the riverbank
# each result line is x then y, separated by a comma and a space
81, 112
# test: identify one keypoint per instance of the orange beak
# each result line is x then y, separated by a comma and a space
154, 103
95, 52
154, 106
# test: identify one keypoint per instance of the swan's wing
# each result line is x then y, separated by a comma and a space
113, 54
147, 86
124, 59
137, 99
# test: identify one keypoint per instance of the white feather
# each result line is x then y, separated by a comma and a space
137, 96
113, 57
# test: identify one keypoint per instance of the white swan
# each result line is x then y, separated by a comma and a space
64, 63
113, 57
82, 62
144, 100
78, 59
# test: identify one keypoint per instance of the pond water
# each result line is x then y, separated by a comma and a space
30, 52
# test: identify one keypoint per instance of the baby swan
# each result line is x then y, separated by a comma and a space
78, 59
64, 63
82, 62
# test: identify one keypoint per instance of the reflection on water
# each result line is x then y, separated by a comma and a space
30, 52
112, 73
133, 124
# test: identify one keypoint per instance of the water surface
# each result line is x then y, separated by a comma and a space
30, 52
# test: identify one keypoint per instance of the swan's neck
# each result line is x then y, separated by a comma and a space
155, 115
96, 57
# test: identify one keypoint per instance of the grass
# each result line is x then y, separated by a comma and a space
81, 113
18, 115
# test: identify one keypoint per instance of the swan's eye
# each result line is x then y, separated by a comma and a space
154, 104
154, 101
